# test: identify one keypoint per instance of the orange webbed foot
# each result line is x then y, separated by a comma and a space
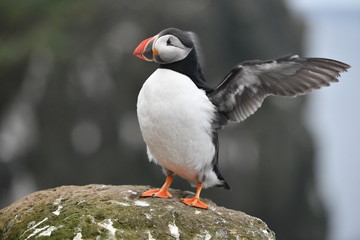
194, 202
162, 192
159, 193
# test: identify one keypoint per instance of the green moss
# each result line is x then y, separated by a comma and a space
95, 213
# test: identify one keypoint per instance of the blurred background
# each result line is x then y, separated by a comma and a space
69, 85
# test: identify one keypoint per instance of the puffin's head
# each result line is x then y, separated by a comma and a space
169, 46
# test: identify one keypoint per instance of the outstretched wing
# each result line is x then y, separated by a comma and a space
244, 89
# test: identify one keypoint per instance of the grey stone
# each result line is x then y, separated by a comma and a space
117, 212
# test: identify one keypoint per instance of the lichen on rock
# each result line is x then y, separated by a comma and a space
116, 212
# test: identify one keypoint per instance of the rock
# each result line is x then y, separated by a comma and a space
117, 212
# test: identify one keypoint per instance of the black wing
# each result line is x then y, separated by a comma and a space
244, 89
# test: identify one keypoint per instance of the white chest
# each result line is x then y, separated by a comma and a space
175, 120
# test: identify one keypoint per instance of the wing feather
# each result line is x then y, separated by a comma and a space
244, 89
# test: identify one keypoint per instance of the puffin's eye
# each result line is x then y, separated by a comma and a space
168, 42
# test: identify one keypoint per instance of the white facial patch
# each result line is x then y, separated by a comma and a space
170, 49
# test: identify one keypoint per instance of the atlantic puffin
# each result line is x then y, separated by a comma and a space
180, 114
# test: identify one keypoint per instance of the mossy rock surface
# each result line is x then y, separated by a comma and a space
116, 212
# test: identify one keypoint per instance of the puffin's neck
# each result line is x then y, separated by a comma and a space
189, 67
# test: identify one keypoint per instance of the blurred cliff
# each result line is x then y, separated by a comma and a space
68, 93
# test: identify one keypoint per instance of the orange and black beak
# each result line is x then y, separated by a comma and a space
144, 50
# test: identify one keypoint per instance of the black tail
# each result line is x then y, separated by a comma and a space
223, 184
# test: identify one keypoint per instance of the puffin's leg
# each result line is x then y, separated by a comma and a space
195, 201
162, 192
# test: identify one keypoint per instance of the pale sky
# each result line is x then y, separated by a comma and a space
333, 113
337, 4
